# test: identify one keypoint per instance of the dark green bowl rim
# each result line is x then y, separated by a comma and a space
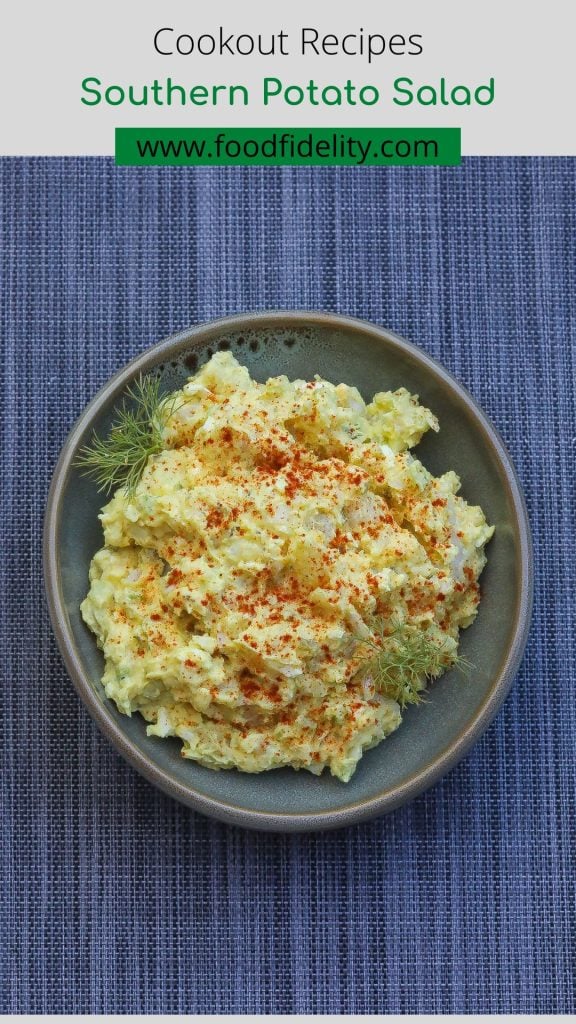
349, 813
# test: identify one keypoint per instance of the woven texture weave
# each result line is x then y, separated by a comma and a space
113, 897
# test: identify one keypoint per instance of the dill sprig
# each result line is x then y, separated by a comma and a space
137, 433
404, 658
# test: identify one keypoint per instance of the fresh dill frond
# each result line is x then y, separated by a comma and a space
404, 658
137, 433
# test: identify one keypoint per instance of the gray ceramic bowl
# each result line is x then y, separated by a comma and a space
434, 736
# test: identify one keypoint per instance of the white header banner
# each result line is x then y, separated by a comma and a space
502, 70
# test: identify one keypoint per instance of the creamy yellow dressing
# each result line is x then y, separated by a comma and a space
237, 581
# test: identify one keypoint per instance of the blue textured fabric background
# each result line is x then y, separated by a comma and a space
116, 899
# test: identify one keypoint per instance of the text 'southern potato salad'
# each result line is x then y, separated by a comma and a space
285, 576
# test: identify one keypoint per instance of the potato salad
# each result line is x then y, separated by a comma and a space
284, 576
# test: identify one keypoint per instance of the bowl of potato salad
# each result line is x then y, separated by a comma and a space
288, 566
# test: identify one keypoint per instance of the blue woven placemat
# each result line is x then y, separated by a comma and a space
116, 899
